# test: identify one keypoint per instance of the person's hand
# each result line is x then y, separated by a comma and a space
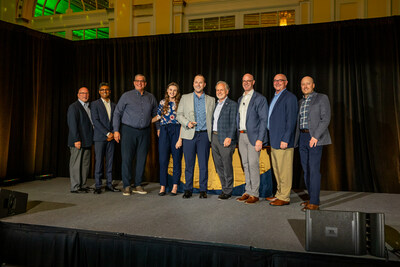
110, 137
158, 133
227, 142
258, 145
178, 143
283, 145
78, 144
117, 137
313, 142
192, 124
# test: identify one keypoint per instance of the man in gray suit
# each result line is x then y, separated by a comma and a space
312, 134
195, 115
223, 140
252, 119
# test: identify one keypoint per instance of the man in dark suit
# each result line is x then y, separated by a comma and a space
252, 121
102, 112
223, 139
80, 139
281, 125
312, 132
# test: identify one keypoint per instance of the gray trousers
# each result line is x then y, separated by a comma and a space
251, 165
223, 163
79, 166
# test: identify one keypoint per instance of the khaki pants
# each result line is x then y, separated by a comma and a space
282, 163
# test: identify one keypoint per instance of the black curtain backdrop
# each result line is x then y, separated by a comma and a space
356, 63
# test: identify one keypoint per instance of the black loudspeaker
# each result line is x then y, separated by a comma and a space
12, 202
345, 232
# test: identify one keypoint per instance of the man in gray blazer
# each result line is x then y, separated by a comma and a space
195, 115
223, 140
252, 119
312, 134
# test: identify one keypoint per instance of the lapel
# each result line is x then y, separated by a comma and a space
112, 108
313, 99
251, 104
224, 108
283, 94
104, 110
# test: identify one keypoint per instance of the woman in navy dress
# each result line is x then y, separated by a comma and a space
170, 141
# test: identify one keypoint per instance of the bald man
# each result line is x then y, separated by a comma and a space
312, 134
80, 140
252, 121
281, 125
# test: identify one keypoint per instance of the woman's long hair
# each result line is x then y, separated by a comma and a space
177, 98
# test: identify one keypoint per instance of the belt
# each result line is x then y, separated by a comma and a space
243, 131
215, 132
304, 130
202, 131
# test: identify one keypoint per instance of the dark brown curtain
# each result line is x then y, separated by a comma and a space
356, 63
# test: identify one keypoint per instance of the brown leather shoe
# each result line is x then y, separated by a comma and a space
244, 197
271, 198
305, 203
251, 200
279, 202
310, 207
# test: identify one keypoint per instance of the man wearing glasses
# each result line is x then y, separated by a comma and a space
252, 121
80, 140
282, 118
131, 123
102, 112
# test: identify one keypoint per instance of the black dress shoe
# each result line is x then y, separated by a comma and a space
224, 196
97, 191
203, 194
173, 194
187, 194
112, 189
83, 190
162, 193
75, 191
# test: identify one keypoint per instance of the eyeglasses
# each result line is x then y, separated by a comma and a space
247, 81
279, 81
81, 93
102, 90
139, 81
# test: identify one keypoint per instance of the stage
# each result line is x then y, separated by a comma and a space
257, 235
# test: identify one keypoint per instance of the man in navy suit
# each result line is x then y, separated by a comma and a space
252, 121
312, 133
281, 125
102, 113
80, 140
223, 139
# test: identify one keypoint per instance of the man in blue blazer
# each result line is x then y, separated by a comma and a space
80, 140
252, 119
223, 139
281, 125
102, 113
312, 132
